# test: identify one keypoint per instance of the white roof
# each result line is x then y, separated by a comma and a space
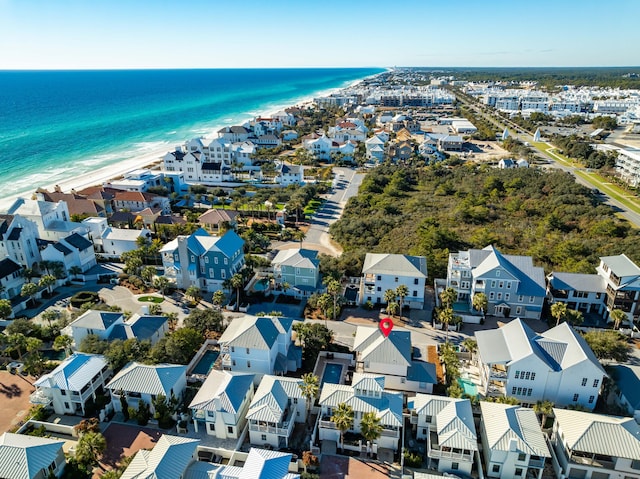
167, 460
505, 423
121, 234
599, 434
228, 387
298, 258
272, 398
148, 379
23, 457
398, 264
375, 347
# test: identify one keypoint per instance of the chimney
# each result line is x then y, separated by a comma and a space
513, 445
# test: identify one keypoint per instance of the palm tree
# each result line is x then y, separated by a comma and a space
194, 293
470, 345
28, 273
393, 308
309, 386
559, 311
543, 408
389, 296
299, 235
47, 281
370, 426
447, 317
218, 298
617, 315
324, 303
30, 290
63, 343
333, 288
5, 308
90, 448
343, 419
17, 342
74, 271
448, 297
402, 292
480, 302
161, 283
237, 281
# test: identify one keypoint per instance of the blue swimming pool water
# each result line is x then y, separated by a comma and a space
206, 362
332, 373
468, 387
261, 285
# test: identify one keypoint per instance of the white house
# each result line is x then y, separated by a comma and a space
11, 278
110, 241
448, 427
73, 250
366, 394
277, 405
299, 268
30, 457
289, 174
512, 442
595, 446
320, 148
168, 459
556, 365
381, 272
259, 345
47, 216
143, 382
258, 463
622, 277
100, 323
19, 240
74, 382
221, 403
583, 292
391, 356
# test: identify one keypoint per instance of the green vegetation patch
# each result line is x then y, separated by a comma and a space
150, 299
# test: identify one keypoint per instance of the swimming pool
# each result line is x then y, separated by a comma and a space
468, 387
261, 285
332, 373
206, 362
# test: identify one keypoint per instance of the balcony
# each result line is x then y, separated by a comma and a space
226, 360
479, 286
414, 419
592, 460
283, 428
327, 424
390, 433
536, 463
496, 374
436, 452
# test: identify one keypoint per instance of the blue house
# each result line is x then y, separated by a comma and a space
203, 260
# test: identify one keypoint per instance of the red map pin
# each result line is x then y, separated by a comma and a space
386, 325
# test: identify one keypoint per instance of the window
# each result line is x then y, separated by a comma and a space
493, 284
211, 273
529, 391
415, 294
248, 364
491, 295
518, 471
499, 296
520, 298
215, 260
403, 380
378, 278
513, 391
233, 362
415, 280
396, 280
66, 405
226, 261
517, 374
596, 383
233, 349
591, 399
212, 426
527, 375
531, 299
428, 418
63, 392
230, 429
496, 468
210, 413
507, 296
635, 464
533, 376
379, 288
248, 351
424, 431
508, 284
497, 273
206, 259
193, 259
575, 397
518, 310
455, 466
501, 284
295, 400
584, 381
263, 437
522, 457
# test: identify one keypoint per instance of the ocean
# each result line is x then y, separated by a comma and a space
57, 125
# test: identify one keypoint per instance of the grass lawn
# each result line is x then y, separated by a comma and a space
150, 299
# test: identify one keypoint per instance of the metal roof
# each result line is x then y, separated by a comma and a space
599, 434
593, 283
297, 258
100, 320
627, 379
374, 346
455, 426
148, 379
167, 460
621, 265
395, 264
23, 457
264, 464
252, 332
272, 398
74, 373
229, 387
504, 423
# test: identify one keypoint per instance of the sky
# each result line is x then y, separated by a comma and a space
107, 34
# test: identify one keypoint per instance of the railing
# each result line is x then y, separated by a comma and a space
587, 461
413, 419
284, 429
536, 463
497, 374
328, 424
389, 433
226, 360
458, 456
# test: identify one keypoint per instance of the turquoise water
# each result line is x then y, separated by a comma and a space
468, 387
261, 285
55, 125
206, 362
332, 373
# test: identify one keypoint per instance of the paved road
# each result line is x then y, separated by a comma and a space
345, 186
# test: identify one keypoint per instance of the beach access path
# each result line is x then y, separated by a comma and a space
345, 185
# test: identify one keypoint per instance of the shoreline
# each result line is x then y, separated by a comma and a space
118, 168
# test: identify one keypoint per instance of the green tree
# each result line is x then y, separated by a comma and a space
219, 298
370, 426
18, 343
205, 321
389, 296
147, 273
161, 283
63, 343
608, 344
447, 317
237, 282
194, 293
402, 292
47, 281
334, 288
182, 344
310, 386
343, 419
448, 297
393, 308
6, 310
480, 302
617, 316
470, 345
124, 405
559, 311
324, 304
543, 409
29, 290
89, 449
75, 271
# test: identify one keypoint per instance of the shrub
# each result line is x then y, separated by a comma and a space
412, 459
83, 297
